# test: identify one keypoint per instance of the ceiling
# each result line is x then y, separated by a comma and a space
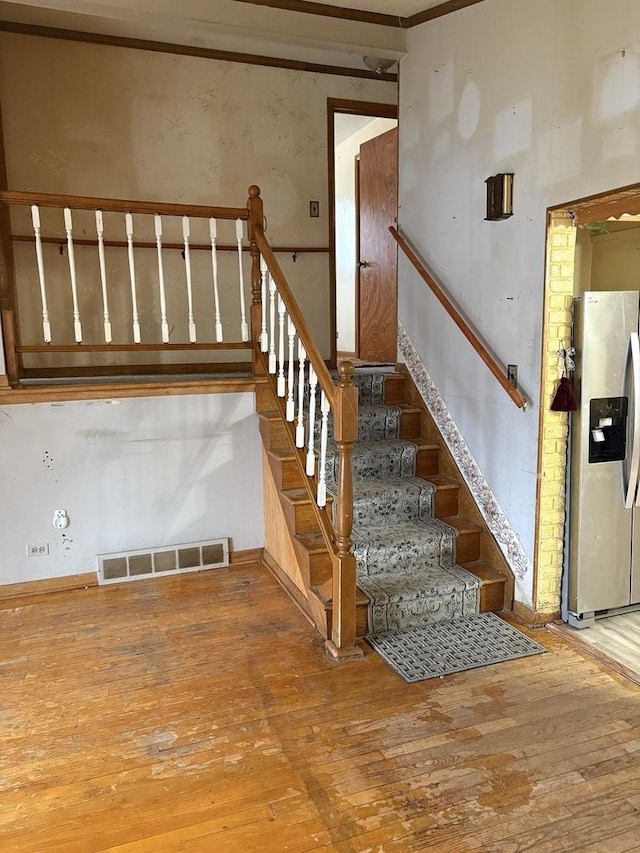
401, 8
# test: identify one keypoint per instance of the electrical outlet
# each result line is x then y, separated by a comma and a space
512, 374
314, 209
38, 550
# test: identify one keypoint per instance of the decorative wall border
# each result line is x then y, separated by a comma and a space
491, 510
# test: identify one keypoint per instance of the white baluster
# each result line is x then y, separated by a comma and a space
103, 278
311, 456
322, 462
128, 221
302, 356
213, 234
281, 313
46, 325
186, 233
264, 337
68, 225
272, 326
164, 324
244, 328
291, 409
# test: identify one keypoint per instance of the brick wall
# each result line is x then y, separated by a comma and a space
553, 425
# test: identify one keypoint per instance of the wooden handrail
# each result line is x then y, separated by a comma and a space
119, 205
313, 353
459, 320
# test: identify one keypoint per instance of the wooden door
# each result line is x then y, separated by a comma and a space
377, 279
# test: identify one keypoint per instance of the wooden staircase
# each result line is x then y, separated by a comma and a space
476, 550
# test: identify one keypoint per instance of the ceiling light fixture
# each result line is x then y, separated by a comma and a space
378, 64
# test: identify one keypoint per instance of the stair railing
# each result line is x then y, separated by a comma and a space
291, 357
458, 319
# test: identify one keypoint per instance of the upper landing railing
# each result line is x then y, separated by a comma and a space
459, 320
96, 275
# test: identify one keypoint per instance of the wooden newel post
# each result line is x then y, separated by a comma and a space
256, 220
342, 644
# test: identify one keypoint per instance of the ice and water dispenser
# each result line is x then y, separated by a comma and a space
608, 429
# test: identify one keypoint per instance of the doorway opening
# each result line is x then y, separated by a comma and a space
353, 125
592, 245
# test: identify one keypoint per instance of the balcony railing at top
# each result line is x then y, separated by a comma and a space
123, 287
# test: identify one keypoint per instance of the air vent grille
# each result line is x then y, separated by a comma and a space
168, 560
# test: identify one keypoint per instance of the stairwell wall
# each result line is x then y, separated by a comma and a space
551, 92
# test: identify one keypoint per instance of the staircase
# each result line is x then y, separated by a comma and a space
422, 550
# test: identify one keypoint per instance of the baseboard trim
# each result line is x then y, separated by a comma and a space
30, 589
295, 594
533, 618
34, 589
241, 558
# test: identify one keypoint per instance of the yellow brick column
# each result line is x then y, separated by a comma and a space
552, 455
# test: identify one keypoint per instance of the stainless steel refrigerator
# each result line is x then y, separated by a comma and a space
604, 541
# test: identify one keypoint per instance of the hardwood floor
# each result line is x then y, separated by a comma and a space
614, 641
199, 713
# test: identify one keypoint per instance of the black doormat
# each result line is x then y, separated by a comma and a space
418, 654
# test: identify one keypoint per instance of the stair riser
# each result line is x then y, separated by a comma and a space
445, 502
274, 435
410, 425
300, 517
492, 596
468, 547
427, 462
285, 473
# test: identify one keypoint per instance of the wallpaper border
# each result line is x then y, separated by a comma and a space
488, 505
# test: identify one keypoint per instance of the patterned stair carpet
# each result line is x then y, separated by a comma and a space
406, 558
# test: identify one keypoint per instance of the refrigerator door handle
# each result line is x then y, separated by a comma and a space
630, 492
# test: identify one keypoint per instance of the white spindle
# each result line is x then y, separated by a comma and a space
186, 233
311, 456
213, 234
291, 409
103, 278
302, 356
322, 462
68, 225
264, 337
46, 325
163, 296
272, 326
281, 313
244, 328
128, 221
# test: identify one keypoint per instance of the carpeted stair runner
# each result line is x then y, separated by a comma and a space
405, 556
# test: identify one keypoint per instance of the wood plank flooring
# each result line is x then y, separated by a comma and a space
199, 713
614, 640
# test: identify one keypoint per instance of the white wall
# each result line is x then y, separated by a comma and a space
550, 91
131, 473
345, 224
615, 263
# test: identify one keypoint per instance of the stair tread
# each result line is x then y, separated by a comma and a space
462, 524
313, 542
284, 455
442, 482
400, 531
300, 496
486, 572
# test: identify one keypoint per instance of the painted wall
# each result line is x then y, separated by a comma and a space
131, 124
107, 121
551, 92
131, 473
345, 197
615, 259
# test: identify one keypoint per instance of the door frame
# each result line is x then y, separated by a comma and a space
360, 108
